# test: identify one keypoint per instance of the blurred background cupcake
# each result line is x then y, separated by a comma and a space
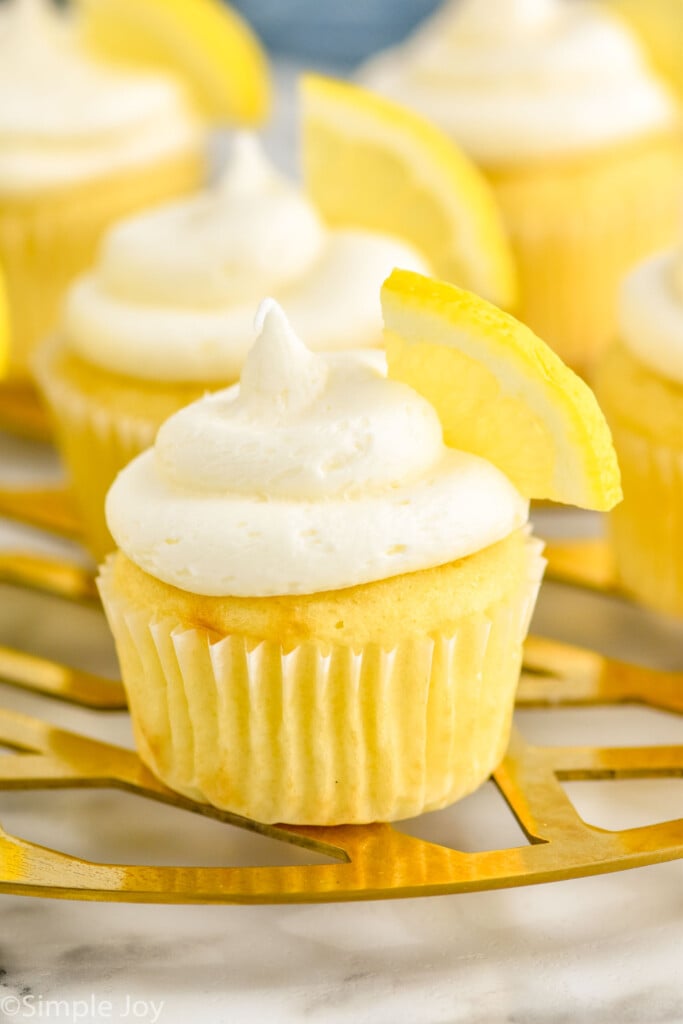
580, 139
659, 24
83, 141
167, 313
640, 384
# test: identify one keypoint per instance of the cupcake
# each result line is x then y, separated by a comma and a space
640, 383
166, 313
579, 139
82, 143
318, 605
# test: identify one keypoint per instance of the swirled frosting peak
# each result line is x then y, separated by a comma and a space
65, 116
253, 232
280, 372
173, 294
316, 473
513, 80
651, 313
249, 172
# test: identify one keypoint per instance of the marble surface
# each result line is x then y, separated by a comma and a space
598, 950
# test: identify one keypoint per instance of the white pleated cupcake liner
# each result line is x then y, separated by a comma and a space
323, 734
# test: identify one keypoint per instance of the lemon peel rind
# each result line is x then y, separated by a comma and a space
418, 309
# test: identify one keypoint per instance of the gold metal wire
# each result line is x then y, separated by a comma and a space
367, 862
47, 575
21, 411
48, 508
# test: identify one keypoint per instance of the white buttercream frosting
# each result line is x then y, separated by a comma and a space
173, 294
651, 313
518, 79
254, 229
315, 473
65, 117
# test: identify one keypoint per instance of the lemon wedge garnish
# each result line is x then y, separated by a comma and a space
371, 163
204, 42
500, 392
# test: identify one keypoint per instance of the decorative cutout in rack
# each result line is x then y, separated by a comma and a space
368, 862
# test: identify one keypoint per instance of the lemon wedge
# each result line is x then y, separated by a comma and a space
500, 392
203, 41
370, 163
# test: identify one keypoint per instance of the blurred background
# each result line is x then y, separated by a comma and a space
341, 35
328, 34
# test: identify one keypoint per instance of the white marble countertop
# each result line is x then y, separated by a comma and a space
599, 950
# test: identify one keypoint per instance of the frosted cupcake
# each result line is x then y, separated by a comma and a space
318, 604
380, 585
81, 144
640, 383
167, 313
578, 137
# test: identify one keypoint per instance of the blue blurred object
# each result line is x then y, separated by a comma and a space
339, 33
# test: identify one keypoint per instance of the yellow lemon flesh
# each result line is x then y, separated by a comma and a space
370, 163
500, 392
203, 42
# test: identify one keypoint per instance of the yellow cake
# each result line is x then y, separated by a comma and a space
167, 310
640, 384
318, 605
579, 139
83, 142
431, 601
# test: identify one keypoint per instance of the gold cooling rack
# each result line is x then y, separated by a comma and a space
368, 862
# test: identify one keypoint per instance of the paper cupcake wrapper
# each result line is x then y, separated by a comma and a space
577, 231
46, 241
323, 734
647, 527
95, 443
